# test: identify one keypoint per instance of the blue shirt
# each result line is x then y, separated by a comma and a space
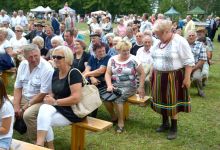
95, 63
198, 51
48, 44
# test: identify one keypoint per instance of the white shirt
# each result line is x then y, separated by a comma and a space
13, 21
174, 56
22, 20
16, 44
145, 25
144, 56
38, 81
3, 46
11, 33
7, 111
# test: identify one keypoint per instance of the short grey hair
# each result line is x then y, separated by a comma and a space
58, 39
148, 36
68, 54
30, 47
39, 41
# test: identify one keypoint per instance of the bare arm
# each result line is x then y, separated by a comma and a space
96, 73
74, 98
187, 81
141, 91
6, 123
108, 80
17, 101
10, 52
198, 65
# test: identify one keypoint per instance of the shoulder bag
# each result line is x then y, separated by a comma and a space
90, 99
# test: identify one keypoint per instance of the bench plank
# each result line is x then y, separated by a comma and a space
94, 124
20, 145
135, 99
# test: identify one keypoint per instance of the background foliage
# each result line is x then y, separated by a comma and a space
116, 6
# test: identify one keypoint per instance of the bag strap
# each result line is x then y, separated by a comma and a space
84, 79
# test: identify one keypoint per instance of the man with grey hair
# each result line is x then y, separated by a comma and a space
144, 55
21, 19
200, 56
32, 83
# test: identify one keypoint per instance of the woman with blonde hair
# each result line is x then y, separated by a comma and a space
122, 70
172, 67
56, 110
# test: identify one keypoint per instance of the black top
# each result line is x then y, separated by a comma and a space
135, 48
80, 63
61, 89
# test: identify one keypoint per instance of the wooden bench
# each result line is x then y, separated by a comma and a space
78, 131
136, 100
20, 145
90, 124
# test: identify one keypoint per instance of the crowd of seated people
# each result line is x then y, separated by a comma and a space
131, 58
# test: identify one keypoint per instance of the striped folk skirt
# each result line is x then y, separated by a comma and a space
168, 97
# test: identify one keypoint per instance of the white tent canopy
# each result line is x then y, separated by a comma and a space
67, 10
42, 9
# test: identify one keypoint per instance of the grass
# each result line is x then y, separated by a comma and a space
198, 130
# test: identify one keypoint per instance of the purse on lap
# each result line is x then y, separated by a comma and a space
90, 99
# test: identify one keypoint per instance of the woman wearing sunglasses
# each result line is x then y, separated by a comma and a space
56, 110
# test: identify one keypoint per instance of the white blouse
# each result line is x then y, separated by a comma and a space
177, 54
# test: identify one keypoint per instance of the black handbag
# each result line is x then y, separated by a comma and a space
111, 96
20, 125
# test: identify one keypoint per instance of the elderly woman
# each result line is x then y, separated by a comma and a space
138, 43
121, 28
121, 71
172, 63
18, 41
55, 42
56, 110
96, 67
5, 48
113, 50
80, 57
39, 41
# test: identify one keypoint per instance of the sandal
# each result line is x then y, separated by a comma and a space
119, 129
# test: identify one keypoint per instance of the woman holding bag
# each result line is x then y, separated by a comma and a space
57, 109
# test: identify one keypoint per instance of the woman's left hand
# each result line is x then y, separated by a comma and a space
48, 99
141, 92
186, 83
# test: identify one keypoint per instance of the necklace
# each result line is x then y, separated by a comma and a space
162, 46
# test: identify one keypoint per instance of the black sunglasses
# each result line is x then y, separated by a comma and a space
57, 57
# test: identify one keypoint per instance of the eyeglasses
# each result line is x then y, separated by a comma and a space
18, 31
57, 57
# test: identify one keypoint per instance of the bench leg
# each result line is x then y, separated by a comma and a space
78, 138
126, 110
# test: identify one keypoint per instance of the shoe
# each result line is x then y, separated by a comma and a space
119, 129
163, 128
172, 135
